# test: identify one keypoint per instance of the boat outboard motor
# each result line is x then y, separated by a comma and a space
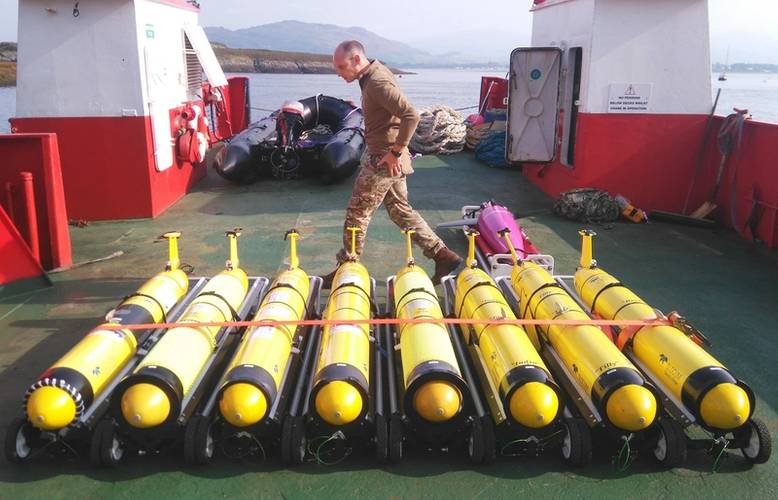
289, 125
340, 155
290, 122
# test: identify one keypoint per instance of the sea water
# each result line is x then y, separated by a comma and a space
457, 88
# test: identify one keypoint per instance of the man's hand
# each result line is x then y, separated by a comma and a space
392, 165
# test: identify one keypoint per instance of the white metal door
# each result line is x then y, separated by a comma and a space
158, 95
533, 104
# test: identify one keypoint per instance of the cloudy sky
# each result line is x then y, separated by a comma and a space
748, 27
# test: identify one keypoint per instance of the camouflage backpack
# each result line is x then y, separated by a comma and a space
587, 205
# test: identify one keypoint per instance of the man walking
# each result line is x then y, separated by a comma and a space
390, 121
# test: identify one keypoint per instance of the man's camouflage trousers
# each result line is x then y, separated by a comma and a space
373, 186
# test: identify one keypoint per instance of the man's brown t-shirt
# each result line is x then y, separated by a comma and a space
389, 117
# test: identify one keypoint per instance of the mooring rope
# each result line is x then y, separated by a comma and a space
441, 130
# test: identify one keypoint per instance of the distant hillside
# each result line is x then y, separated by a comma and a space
746, 68
7, 74
296, 36
231, 60
7, 52
7, 64
271, 61
274, 61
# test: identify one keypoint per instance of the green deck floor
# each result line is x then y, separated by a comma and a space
725, 285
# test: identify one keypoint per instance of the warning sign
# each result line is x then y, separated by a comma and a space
629, 98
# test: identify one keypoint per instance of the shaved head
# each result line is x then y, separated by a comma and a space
349, 60
350, 47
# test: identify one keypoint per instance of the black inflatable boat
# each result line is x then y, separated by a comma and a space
319, 135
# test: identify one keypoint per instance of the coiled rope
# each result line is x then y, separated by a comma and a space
491, 149
441, 131
321, 132
479, 131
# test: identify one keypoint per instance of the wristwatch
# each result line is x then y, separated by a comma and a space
396, 154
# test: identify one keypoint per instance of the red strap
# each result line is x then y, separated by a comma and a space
608, 330
626, 334
396, 321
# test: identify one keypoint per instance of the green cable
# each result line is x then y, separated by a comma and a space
317, 453
717, 462
540, 443
623, 461
261, 448
511, 443
240, 456
308, 448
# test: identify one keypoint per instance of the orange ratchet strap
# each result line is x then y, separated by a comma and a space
409, 321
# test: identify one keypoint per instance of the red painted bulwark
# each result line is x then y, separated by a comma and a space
108, 167
104, 164
651, 159
228, 108
238, 92
647, 158
16, 261
752, 174
170, 185
494, 93
39, 154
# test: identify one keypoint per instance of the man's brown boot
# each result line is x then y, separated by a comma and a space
445, 262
